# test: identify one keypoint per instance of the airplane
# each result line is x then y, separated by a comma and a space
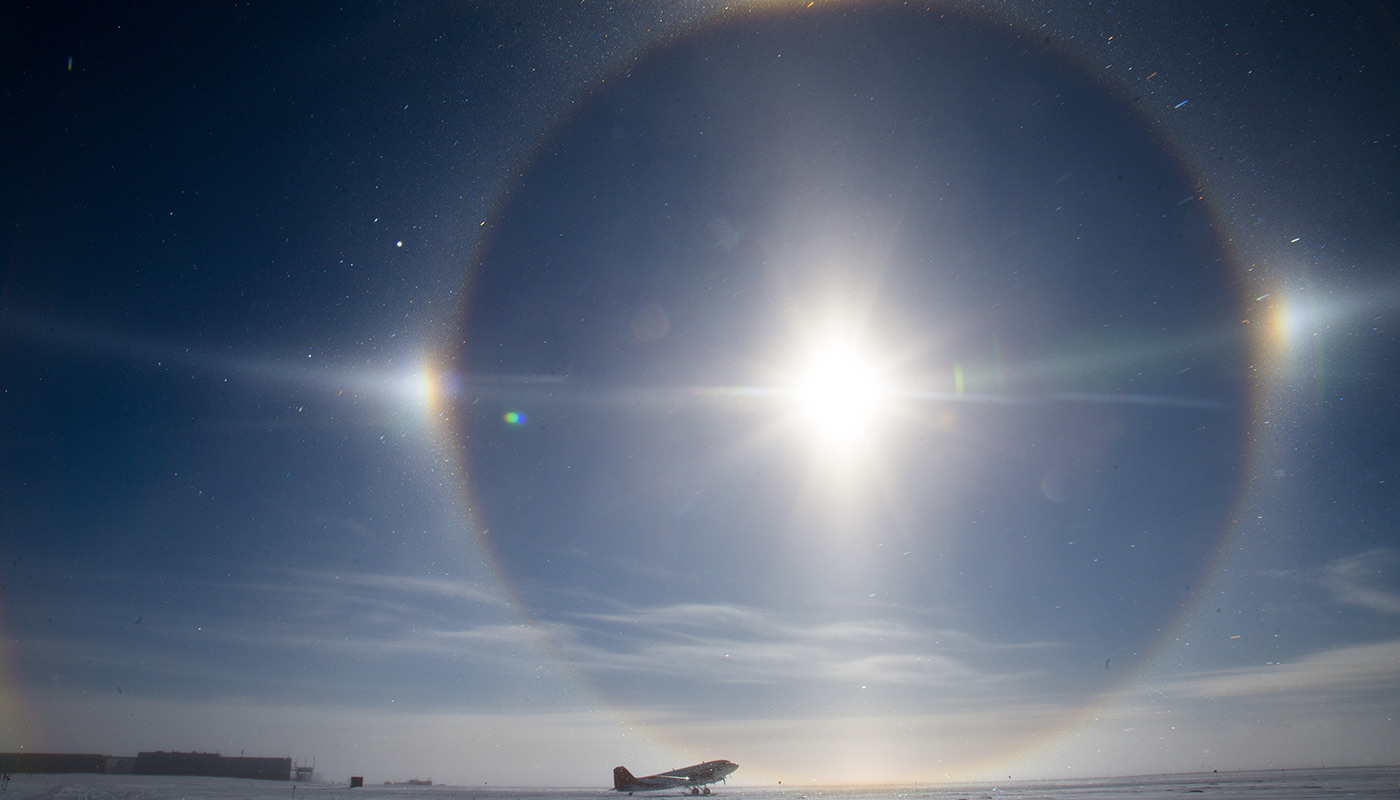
692, 778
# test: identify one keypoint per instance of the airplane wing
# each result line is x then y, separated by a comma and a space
667, 779
701, 774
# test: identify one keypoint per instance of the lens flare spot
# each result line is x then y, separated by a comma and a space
651, 323
515, 418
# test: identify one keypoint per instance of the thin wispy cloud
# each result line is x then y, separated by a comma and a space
714, 644
1362, 668
282, 633
1370, 580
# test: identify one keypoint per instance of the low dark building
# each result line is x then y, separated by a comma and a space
52, 763
213, 765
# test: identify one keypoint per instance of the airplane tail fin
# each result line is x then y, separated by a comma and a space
622, 778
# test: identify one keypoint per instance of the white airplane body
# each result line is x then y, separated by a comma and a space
693, 779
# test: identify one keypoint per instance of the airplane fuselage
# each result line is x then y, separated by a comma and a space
693, 778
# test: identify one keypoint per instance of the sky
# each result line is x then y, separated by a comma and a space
860, 392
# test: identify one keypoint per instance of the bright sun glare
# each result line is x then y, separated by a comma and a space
425, 387
839, 394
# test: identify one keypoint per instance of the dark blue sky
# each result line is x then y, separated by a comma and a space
854, 392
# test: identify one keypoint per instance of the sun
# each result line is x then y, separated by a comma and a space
840, 394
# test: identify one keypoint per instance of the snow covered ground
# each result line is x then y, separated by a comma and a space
1369, 782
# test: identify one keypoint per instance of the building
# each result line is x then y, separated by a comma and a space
52, 763
213, 765
208, 765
